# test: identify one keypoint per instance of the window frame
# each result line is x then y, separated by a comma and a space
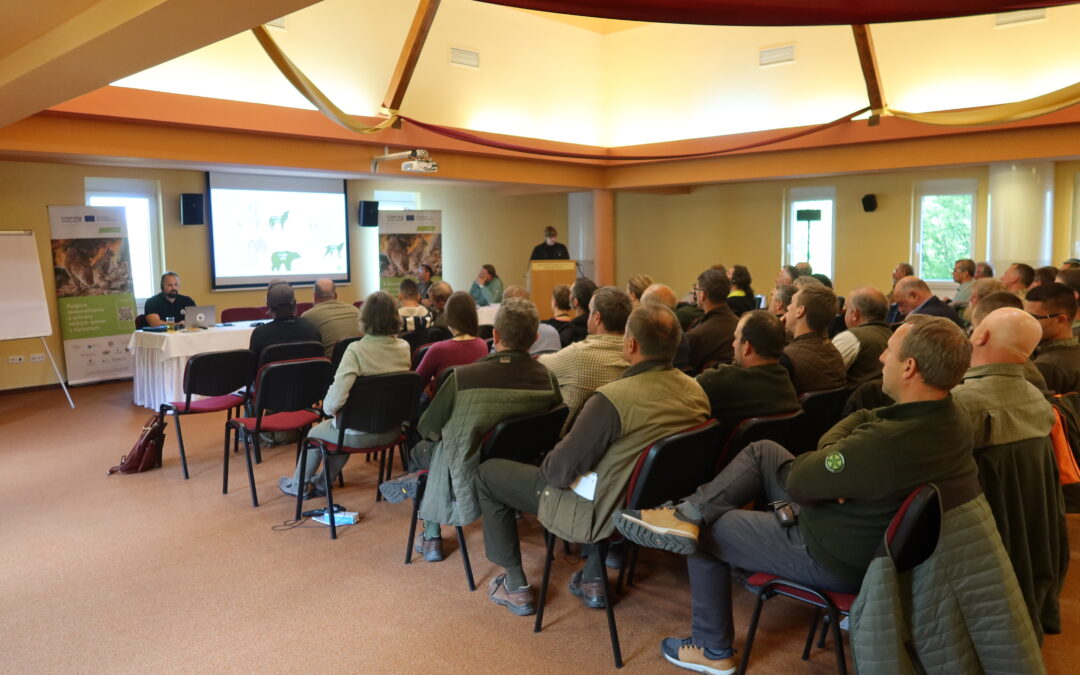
945, 186
803, 194
135, 188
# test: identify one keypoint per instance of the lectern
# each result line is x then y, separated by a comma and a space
545, 275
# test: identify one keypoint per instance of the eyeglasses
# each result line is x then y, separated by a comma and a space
1046, 316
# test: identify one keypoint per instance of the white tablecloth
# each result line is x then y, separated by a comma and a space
160, 358
486, 314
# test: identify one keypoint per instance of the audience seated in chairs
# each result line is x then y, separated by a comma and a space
561, 312
598, 359
464, 347
1018, 278
663, 295
547, 337
741, 299
1012, 420
650, 401
781, 298
414, 316
913, 296
1058, 355
636, 286
844, 494
286, 326
437, 297
335, 320
710, 335
813, 361
577, 328
963, 273
473, 399
866, 337
756, 385
378, 352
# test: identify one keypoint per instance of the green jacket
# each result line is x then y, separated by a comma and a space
474, 399
651, 405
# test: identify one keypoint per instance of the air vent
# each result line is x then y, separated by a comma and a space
1023, 16
277, 23
465, 57
776, 55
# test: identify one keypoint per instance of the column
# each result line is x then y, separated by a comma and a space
604, 236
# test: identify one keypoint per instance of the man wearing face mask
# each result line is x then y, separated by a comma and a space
167, 303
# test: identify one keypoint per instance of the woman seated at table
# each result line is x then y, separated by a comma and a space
379, 351
488, 287
463, 348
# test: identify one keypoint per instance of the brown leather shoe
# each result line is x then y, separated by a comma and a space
431, 549
519, 602
591, 591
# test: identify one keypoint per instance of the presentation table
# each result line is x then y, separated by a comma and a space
160, 358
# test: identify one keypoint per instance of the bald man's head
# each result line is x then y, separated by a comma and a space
661, 295
1006, 335
324, 290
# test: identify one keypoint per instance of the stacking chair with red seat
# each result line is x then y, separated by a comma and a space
292, 390
777, 428
684, 458
283, 351
821, 410
222, 378
376, 403
230, 314
910, 539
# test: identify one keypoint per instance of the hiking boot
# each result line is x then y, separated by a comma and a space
519, 602
401, 488
685, 654
590, 591
431, 549
658, 528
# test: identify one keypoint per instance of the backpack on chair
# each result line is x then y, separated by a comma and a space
146, 453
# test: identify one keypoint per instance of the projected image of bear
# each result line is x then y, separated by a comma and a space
279, 221
282, 260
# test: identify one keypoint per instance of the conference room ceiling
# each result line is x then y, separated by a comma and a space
54, 50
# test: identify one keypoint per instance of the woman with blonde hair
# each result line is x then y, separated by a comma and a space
636, 287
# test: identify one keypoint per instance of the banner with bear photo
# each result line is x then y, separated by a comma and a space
407, 240
94, 291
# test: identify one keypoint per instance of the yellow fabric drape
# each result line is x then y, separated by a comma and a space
310, 91
998, 114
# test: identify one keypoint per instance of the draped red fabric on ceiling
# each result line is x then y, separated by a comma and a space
777, 12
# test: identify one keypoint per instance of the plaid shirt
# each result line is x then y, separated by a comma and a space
583, 366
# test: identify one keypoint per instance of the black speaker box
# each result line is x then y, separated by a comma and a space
368, 214
192, 209
869, 203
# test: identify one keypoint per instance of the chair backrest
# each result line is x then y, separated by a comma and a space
286, 386
218, 373
485, 332
822, 411
230, 314
913, 532
379, 403
418, 354
290, 351
443, 377
358, 304
675, 466
525, 439
302, 307
339, 350
777, 428
141, 322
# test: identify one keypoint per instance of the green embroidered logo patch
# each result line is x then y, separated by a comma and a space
834, 462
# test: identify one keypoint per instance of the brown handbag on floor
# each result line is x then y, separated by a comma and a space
146, 454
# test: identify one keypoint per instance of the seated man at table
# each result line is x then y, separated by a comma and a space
336, 320
584, 478
168, 303
286, 326
844, 494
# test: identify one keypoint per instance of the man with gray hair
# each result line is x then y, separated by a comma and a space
583, 479
286, 326
438, 294
336, 320
913, 296
473, 399
867, 334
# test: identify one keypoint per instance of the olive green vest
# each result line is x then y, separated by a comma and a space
873, 338
652, 405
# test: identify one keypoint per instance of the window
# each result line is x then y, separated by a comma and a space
809, 227
392, 200
140, 201
944, 226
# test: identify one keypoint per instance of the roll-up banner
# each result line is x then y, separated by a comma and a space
408, 239
94, 291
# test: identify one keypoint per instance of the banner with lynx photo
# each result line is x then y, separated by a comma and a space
94, 291
407, 240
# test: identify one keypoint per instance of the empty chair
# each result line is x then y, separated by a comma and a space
292, 390
220, 377
776, 428
376, 404
821, 411
230, 314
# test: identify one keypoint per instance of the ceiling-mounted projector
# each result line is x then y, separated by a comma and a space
417, 161
420, 166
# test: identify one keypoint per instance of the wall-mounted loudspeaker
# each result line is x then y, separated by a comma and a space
192, 209
368, 214
869, 203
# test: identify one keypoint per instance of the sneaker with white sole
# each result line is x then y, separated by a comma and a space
685, 654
